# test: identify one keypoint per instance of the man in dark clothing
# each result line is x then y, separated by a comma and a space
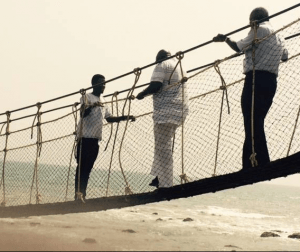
268, 54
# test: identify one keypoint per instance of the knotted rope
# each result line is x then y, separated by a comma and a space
179, 57
3, 203
253, 155
288, 152
79, 194
224, 88
137, 73
115, 95
113, 148
75, 115
38, 153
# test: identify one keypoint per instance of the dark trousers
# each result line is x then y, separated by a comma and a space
89, 149
265, 88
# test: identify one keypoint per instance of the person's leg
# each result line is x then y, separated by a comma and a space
246, 110
265, 88
89, 153
163, 157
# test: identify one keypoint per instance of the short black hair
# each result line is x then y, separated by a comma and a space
96, 77
162, 54
259, 13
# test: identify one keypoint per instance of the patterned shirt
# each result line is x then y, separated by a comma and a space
268, 53
169, 104
92, 123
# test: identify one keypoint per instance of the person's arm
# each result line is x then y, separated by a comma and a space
231, 43
153, 88
113, 119
85, 112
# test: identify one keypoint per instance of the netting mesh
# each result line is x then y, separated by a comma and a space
38, 164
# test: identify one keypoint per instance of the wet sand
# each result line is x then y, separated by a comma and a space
150, 227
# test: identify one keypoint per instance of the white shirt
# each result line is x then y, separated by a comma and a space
167, 103
268, 53
92, 124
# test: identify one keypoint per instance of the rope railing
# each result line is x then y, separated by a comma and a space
194, 150
154, 63
126, 90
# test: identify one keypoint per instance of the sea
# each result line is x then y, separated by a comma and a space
251, 209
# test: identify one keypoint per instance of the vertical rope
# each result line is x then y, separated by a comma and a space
112, 111
3, 203
253, 155
137, 72
113, 148
38, 152
79, 138
180, 56
288, 152
224, 88
74, 111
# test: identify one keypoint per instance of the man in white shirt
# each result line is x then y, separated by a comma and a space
89, 132
268, 54
169, 111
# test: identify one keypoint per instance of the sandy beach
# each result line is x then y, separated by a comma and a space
153, 227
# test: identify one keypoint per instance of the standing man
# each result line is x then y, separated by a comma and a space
89, 132
169, 111
268, 54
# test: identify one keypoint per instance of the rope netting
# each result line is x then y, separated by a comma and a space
38, 164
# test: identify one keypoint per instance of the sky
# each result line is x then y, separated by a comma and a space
53, 47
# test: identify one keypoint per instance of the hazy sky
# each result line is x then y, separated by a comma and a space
54, 47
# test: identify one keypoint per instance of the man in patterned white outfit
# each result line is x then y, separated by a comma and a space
170, 109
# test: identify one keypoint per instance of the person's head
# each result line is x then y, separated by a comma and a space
258, 14
98, 84
162, 54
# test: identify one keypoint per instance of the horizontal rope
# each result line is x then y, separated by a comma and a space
154, 63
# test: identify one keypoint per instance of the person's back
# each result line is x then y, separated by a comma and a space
268, 52
169, 102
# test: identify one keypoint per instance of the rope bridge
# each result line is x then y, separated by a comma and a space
37, 164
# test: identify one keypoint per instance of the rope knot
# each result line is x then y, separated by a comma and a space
184, 177
253, 159
223, 87
80, 196
98, 103
76, 104
132, 97
38, 198
39, 105
115, 94
179, 55
128, 191
7, 113
137, 71
5, 150
217, 63
82, 91
184, 79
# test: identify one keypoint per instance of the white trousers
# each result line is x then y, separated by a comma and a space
162, 166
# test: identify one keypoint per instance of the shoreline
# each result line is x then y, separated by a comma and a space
156, 227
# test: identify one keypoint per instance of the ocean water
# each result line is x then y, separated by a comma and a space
252, 209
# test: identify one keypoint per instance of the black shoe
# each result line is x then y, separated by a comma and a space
154, 182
